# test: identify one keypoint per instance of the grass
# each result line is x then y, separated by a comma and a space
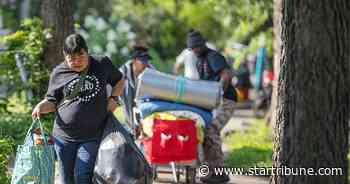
250, 148
253, 147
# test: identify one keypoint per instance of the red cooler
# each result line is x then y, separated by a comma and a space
172, 140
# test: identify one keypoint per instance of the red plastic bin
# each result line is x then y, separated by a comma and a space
172, 140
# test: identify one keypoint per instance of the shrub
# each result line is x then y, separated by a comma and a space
26, 43
16, 125
6, 149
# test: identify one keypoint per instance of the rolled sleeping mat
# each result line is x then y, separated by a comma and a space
155, 84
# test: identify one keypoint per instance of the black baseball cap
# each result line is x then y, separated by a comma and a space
141, 55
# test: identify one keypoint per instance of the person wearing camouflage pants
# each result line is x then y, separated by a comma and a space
213, 153
212, 66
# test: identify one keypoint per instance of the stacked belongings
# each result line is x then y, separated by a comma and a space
158, 85
174, 113
169, 136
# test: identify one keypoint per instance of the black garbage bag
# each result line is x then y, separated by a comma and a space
119, 160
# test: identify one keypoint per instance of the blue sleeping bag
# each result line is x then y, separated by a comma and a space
149, 106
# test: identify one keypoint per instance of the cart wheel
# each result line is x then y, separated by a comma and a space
155, 174
190, 175
178, 174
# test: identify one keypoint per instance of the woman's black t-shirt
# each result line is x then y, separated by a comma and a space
82, 117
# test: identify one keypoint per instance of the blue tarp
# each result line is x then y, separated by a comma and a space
259, 68
148, 107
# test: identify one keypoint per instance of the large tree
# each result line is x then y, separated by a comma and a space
277, 15
58, 18
313, 93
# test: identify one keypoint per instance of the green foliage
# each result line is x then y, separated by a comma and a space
6, 150
10, 14
251, 24
251, 148
205, 16
17, 103
16, 125
163, 24
85, 8
10, 11
158, 63
108, 37
27, 43
3, 105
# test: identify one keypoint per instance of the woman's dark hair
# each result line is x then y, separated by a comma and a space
73, 44
191, 30
140, 48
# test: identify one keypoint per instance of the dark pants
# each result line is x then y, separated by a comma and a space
76, 161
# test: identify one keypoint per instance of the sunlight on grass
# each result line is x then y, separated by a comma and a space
252, 147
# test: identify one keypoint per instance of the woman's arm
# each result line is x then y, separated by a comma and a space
43, 107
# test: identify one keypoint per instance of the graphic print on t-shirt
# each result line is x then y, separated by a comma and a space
88, 91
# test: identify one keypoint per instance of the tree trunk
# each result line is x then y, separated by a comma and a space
58, 17
313, 93
277, 43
